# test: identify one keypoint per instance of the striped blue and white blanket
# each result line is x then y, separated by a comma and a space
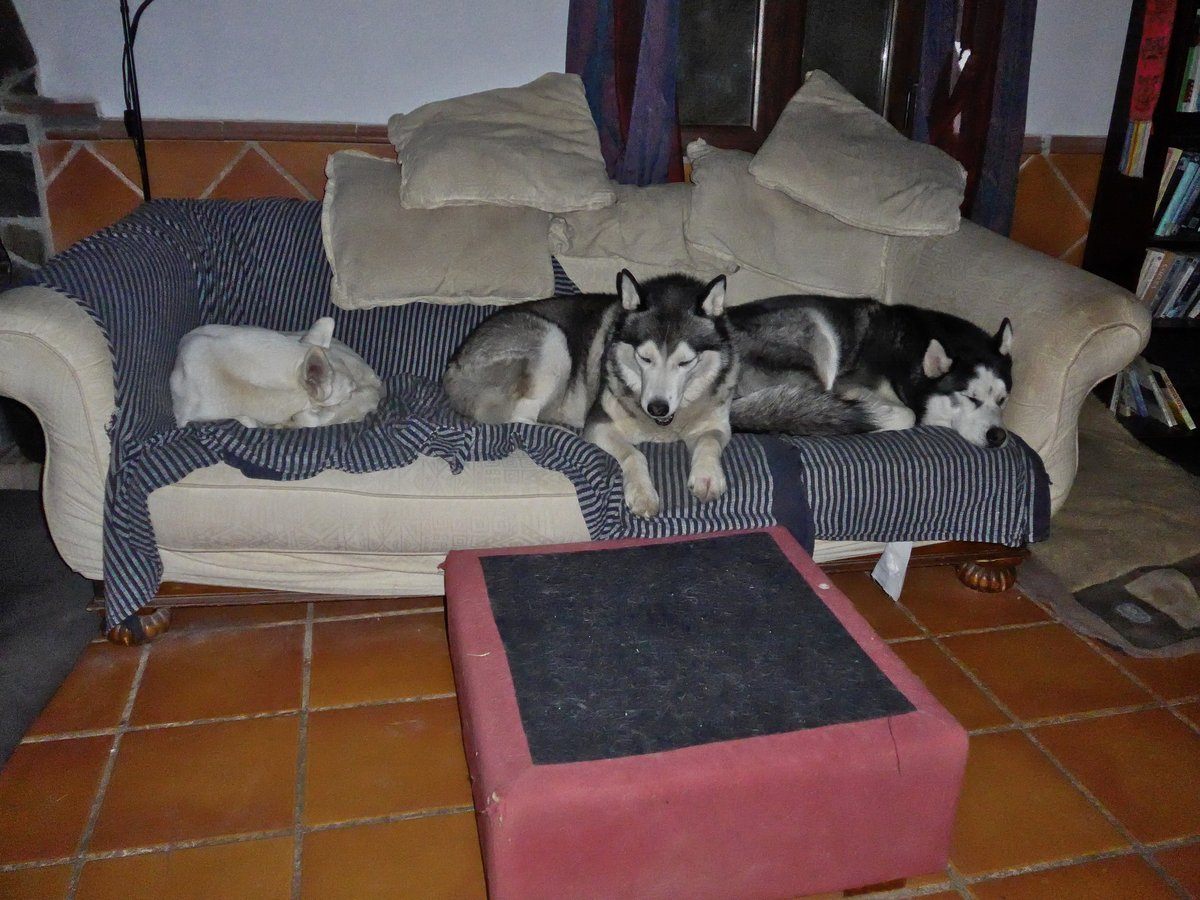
172, 266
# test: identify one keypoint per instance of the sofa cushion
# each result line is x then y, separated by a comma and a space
534, 145
644, 226
735, 218
382, 253
836, 155
420, 508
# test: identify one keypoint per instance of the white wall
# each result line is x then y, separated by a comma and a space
294, 60
1077, 46
362, 60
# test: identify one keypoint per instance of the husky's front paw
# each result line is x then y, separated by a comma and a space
642, 499
706, 483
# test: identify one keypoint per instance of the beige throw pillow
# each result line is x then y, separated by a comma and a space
834, 154
534, 145
382, 254
645, 226
735, 218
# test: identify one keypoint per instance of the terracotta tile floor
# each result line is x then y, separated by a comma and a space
314, 750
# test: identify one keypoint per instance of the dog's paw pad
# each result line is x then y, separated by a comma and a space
642, 501
707, 486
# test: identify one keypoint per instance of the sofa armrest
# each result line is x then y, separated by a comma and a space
55, 360
1071, 329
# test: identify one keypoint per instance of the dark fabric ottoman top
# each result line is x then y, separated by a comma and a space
669, 645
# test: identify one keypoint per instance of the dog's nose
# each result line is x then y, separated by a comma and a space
996, 436
657, 408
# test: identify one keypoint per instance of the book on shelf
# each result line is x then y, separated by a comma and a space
1169, 284
1152, 395
1178, 408
1189, 89
1170, 171
1144, 389
1181, 191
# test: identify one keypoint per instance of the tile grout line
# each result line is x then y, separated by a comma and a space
284, 623
1138, 847
1051, 865
1169, 705
429, 813
220, 176
238, 717
106, 776
239, 838
275, 164
1015, 626
1083, 207
302, 754
57, 170
957, 881
1027, 730
114, 168
1068, 718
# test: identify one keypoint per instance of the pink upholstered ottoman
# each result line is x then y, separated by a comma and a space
701, 717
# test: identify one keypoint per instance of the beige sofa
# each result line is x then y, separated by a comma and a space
385, 533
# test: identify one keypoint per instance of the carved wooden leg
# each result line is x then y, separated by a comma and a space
989, 576
144, 625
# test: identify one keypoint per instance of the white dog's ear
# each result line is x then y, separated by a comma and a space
320, 334
713, 303
1004, 338
317, 374
629, 290
936, 363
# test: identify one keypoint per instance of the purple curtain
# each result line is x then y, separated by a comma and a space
997, 168
625, 51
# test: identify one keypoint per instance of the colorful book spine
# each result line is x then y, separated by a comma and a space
1168, 283
1169, 176
1180, 294
1178, 407
1156, 402
1150, 266
1174, 204
1114, 402
1159, 277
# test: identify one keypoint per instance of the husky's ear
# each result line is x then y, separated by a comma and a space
936, 363
317, 374
320, 334
713, 302
1003, 338
629, 290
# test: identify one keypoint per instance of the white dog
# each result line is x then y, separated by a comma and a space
267, 378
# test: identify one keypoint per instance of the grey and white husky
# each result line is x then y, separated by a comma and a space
824, 365
653, 362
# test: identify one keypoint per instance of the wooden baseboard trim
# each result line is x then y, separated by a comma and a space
947, 553
214, 130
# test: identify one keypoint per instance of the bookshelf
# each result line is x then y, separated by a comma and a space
1123, 220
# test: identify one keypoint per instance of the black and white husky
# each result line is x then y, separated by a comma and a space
824, 365
653, 362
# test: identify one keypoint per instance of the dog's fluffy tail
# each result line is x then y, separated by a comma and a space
802, 410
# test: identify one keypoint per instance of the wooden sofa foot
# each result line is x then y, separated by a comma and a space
144, 625
989, 576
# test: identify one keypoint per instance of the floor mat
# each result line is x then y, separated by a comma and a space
1151, 612
44, 623
1128, 508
